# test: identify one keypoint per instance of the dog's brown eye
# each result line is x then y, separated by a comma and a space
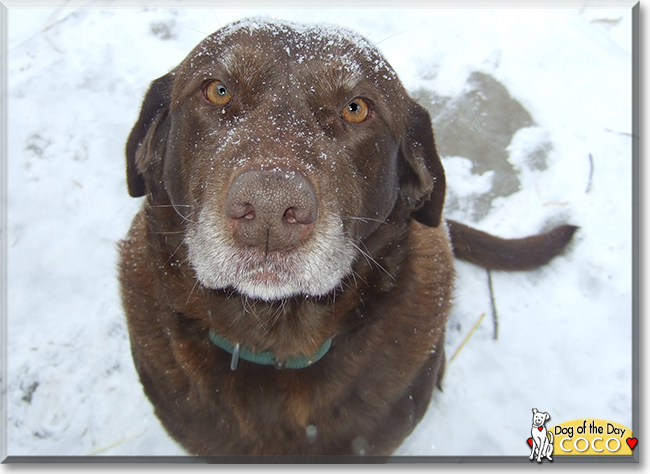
356, 111
217, 93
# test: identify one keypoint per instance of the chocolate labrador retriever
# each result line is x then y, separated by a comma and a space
288, 279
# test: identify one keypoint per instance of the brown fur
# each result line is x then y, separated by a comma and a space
495, 253
382, 178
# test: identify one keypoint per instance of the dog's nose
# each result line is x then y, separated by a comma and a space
274, 210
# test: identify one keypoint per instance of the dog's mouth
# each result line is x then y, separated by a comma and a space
266, 275
313, 269
269, 269
279, 275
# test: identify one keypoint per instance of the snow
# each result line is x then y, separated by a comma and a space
76, 79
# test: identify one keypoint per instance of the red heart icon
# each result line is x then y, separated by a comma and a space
631, 442
540, 428
530, 442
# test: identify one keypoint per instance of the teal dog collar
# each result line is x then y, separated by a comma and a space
267, 357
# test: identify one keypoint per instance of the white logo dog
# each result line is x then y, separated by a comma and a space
541, 444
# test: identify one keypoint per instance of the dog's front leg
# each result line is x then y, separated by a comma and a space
534, 449
549, 450
542, 448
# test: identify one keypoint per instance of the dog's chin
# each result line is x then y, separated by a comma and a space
276, 291
313, 269
272, 277
269, 285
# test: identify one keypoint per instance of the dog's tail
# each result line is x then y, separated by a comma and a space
495, 253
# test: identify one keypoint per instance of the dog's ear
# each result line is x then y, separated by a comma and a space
155, 103
423, 180
534, 410
548, 417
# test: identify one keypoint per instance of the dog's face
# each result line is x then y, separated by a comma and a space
539, 418
283, 147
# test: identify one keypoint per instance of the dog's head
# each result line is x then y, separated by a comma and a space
539, 418
283, 147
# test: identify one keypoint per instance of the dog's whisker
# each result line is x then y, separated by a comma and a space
196, 283
353, 274
194, 29
277, 314
267, 318
389, 37
216, 18
249, 307
184, 217
364, 219
372, 261
174, 252
357, 275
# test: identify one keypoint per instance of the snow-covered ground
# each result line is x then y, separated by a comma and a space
76, 79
